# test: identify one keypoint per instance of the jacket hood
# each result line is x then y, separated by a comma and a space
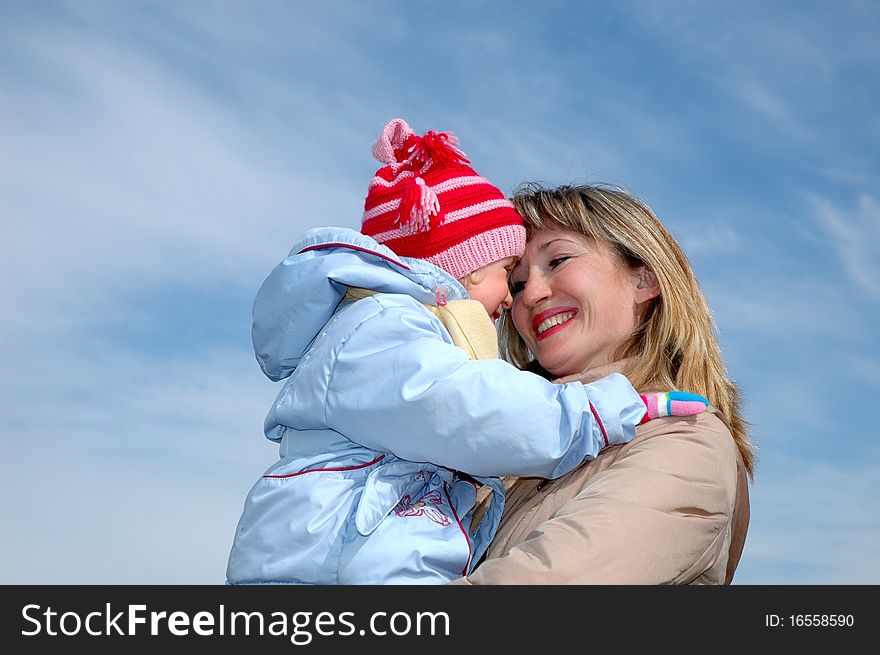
303, 291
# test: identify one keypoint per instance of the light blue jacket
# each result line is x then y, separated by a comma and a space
374, 391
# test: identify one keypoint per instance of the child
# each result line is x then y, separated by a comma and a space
394, 387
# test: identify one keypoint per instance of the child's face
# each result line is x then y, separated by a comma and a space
489, 285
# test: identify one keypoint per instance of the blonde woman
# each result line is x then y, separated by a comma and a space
604, 287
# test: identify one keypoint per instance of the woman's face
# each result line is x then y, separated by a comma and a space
574, 303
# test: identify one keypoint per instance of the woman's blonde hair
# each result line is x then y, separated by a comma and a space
675, 347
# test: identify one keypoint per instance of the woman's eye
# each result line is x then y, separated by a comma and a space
515, 287
556, 261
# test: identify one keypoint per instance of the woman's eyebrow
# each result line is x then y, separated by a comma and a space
547, 244
544, 246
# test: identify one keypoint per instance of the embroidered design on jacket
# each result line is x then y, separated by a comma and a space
424, 506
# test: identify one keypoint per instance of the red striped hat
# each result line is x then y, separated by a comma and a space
430, 204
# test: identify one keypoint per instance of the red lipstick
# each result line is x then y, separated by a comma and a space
548, 313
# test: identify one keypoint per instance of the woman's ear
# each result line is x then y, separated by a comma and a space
647, 286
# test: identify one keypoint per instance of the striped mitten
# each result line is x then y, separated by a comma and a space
673, 403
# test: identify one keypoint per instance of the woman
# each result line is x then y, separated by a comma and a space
604, 287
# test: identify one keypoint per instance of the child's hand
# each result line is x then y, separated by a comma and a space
673, 403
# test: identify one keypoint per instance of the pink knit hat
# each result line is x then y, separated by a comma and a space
430, 204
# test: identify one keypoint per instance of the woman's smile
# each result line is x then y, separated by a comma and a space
553, 320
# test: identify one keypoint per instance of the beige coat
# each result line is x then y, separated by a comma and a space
670, 507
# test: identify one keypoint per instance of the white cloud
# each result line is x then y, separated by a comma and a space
855, 237
772, 305
709, 239
120, 173
766, 99
781, 63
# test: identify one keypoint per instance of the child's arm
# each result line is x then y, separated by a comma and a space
397, 386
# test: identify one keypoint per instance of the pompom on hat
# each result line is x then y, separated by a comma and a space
428, 203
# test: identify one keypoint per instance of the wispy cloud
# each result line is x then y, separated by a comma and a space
120, 174
710, 239
781, 70
855, 237
137, 464
773, 306
766, 100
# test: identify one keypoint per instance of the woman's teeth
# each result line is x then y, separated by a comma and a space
554, 320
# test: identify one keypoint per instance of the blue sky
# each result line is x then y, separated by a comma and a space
157, 159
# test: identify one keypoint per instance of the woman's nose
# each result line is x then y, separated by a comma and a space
535, 290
